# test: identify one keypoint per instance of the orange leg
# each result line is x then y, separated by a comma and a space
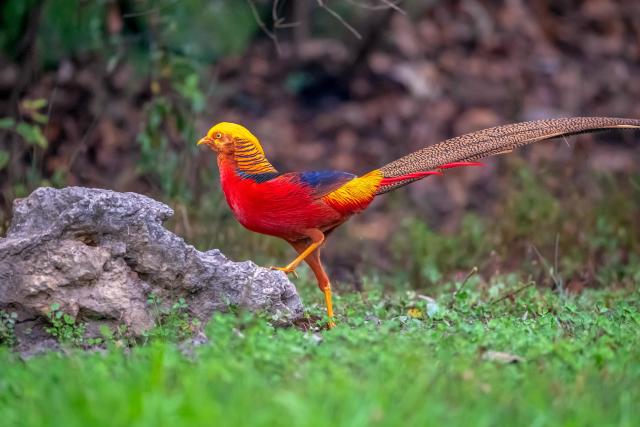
313, 260
317, 238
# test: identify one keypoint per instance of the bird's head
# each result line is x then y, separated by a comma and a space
237, 146
226, 138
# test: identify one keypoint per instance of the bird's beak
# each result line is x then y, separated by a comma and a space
209, 142
205, 140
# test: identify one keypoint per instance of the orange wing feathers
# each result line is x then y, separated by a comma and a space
355, 195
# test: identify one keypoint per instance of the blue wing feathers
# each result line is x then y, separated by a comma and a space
326, 181
320, 182
320, 178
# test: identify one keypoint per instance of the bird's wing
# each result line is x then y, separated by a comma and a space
354, 195
343, 191
324, 182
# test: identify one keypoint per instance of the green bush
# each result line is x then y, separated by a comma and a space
7, 328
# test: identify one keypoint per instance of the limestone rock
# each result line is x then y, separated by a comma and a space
100, 254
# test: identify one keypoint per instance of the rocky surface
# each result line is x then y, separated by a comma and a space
100, 254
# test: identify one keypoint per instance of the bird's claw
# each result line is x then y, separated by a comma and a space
285, 270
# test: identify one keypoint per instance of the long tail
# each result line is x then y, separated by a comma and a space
463, 150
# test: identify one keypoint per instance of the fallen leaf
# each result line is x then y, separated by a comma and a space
502, 357
415, 313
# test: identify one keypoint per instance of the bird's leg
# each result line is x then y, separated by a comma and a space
329, 304
313, 260
317, 238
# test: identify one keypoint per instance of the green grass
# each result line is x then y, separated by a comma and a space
396, 357
388, 363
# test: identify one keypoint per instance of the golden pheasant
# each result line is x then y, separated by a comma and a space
304, 207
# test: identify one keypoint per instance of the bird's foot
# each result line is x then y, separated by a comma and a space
285, 270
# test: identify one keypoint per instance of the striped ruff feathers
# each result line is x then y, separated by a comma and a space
251, 160
489, 142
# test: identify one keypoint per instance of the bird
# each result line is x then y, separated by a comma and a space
303, 208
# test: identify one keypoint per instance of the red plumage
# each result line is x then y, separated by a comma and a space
283, 206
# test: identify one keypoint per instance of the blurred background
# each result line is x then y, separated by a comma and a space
115, 93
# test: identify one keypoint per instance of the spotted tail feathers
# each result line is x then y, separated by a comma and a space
464, 150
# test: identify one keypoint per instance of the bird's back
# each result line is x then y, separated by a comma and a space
288, 203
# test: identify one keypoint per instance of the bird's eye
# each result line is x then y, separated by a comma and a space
218, 135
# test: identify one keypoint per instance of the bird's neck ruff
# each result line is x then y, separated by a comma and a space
241, 150
248, 160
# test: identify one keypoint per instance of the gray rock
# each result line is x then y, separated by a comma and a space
100, 254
